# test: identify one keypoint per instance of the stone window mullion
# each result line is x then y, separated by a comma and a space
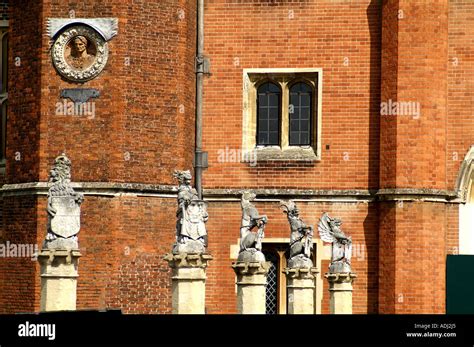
285, 102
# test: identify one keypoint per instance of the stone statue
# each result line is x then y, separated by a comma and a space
301, 237
191, 234
251, 242
330, 231
64, 208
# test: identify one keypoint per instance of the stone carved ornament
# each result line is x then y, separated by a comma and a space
330, 231
79, 53
80, 50
301, 237
64, 208
191, 234
251, 242
106, 27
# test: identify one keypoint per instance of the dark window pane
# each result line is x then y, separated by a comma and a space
304, 126
262, 100
263, 125
294, 99
305, 100
268, 114
273, 113
305, 112
294, 138
274, 126
272, 88
295, 125
304, 138
300, 121
273, 100
273, 138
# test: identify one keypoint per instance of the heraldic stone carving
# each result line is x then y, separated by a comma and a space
301, 237
64, 208
79, 53
330, 231
191, 234
251, 242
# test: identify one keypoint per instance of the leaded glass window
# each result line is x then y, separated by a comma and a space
271, 290
300, 110
268, 114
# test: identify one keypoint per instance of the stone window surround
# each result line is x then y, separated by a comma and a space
252, 78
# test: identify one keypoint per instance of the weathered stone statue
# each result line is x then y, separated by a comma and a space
64, 208
59, 256
251, 269
189, 260
301, 237
330, 231
191, 234
251, 242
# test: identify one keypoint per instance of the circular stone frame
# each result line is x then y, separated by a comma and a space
60, 47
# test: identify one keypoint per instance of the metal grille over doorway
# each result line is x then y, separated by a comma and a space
271, 291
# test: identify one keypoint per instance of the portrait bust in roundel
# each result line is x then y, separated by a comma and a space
80, 52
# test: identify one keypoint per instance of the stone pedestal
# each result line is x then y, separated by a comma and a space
340, 291
300, 284
188, 282
251, 282
58, 279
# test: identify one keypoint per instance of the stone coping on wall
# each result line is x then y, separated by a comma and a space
221, 194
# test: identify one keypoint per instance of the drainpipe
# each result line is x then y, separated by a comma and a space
200, 157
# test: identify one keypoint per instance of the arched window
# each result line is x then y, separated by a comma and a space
268, 114
300, 110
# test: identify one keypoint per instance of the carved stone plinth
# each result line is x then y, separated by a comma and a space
58, 279
251, 282
300, 284
188, 282
340, 291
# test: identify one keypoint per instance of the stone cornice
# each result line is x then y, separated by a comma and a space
92, 188
416, 194
139, 189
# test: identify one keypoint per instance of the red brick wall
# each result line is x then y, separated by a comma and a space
420, 142
139, 117
142, 109
122, 265
301, 34
297, 34
19, 285
413, 258
134, 135
24, 91
460, 101
452, 237
460, 123
389, 89
413, 234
